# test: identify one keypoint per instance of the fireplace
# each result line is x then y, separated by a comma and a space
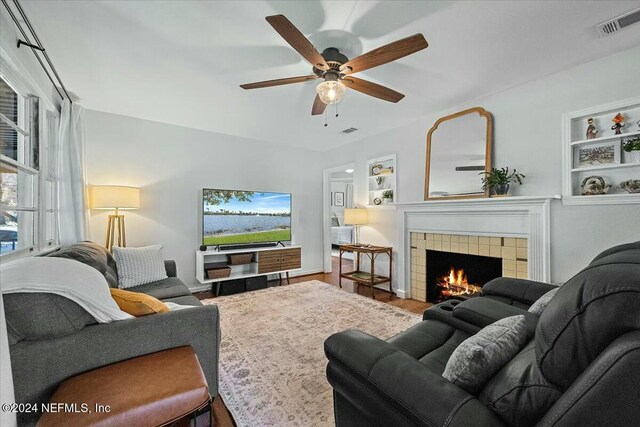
482, 258
456, 275
513, 229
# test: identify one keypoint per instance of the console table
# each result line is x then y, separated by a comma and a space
367, 278
264, 260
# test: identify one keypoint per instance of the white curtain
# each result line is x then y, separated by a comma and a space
73, 221
348, 196
7, 418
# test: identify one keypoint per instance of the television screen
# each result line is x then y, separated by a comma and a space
234, 217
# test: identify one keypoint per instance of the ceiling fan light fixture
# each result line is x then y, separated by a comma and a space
331, 92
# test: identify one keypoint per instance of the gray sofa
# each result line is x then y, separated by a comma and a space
52, 338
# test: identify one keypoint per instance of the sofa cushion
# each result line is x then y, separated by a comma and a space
36, 316
138, 304
519, 393
138, 266
167, 288
184, 300
590, 311
431, 342
480, 356
93, 255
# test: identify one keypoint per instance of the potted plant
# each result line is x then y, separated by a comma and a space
379, 181
387, 196
498, 180
632, 146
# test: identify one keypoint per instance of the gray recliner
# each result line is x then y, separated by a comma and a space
581, 366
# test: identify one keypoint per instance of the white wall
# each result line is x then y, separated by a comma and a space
527, 136
172, 164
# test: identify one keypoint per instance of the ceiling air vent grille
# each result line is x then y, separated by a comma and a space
350, 130
614, 25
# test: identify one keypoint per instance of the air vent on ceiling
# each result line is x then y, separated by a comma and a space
616, 24
349, 130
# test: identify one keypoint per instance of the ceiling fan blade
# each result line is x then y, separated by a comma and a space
297, 40
318, 106
372, 89
278, 82
384, 54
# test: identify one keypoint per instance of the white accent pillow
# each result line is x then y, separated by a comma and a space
137, 266
71, 279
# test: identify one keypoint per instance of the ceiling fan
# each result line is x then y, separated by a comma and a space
336, 69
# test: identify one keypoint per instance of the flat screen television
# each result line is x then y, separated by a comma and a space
243, 217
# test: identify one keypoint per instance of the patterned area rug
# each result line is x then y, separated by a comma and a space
272, 362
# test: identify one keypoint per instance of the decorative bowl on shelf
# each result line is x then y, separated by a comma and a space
631, 185
594, 185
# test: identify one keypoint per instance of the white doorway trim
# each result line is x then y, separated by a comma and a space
326, 209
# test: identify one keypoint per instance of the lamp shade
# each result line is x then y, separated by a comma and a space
356, 216
114, 197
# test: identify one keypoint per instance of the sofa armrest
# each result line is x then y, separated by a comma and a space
389, 387
40, 366
170, 267
525, 292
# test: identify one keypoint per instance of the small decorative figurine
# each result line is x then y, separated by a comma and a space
593, 185
618, 121
592, 132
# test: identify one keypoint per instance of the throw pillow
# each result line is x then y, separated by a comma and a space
137, 266
480, 356
542, 302
137, 304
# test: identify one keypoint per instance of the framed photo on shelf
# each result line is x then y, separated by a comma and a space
338, 199
597, 154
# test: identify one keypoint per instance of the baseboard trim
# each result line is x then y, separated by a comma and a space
401, 293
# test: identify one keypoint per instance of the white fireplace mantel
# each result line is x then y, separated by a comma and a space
522, 216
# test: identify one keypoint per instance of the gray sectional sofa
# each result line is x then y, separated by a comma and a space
52, 338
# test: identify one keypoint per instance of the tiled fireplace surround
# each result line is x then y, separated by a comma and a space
516, 229
512, 251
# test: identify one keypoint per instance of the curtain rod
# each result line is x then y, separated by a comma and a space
35, 48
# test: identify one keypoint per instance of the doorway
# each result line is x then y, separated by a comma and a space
338, 195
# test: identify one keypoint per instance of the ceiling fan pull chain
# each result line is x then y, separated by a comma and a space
336, 110
325, 118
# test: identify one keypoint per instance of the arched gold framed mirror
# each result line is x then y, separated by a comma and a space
458, 151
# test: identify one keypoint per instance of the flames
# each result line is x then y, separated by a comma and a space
456, 284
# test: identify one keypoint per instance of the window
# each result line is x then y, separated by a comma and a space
27, 221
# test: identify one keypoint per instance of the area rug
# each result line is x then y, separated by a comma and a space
272, 362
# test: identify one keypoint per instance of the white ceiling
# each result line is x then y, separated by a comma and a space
181, 62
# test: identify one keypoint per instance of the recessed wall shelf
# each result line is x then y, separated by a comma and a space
613, 165
381, 176
604, 138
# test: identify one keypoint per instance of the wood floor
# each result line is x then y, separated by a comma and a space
221, 415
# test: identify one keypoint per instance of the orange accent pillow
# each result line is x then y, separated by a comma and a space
137, 304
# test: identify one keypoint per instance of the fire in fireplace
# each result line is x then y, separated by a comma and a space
455, 284
453, 275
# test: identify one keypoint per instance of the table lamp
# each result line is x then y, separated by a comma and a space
356, 217
115, 197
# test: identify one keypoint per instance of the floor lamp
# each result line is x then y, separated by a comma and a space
114, 197
356, 217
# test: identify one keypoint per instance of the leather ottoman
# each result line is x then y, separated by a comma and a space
151, 390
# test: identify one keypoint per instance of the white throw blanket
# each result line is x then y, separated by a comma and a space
71, 279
